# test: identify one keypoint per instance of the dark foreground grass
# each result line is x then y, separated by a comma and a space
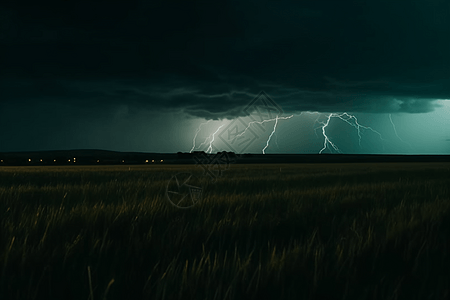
350, 231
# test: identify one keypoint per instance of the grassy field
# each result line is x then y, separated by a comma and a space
325, 231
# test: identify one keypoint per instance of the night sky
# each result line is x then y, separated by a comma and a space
143, 75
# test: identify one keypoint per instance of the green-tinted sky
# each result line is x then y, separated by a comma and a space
143, 75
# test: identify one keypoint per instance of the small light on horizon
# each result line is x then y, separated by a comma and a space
161, 160
153, 160
40, 160
146, 161
98, 160
29, 159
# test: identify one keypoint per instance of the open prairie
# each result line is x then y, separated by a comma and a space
300, 231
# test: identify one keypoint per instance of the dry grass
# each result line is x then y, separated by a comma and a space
336, 231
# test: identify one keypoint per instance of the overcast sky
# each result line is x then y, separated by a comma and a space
143, 75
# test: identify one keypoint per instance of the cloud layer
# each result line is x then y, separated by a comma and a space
209, 60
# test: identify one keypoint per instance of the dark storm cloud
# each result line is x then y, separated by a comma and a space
210, 60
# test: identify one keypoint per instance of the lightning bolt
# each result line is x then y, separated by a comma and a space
347, 118
204, 143
395, 130
274, 128
270, 136
195, 136
261, 122
326, 139
212, 140
265, 121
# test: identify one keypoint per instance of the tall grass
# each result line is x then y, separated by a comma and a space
336, 231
